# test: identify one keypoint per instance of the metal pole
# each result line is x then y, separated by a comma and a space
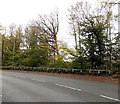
118, 30
119, 18
13, 54
109, 30
119, 26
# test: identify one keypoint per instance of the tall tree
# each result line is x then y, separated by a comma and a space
50, 27
90, 27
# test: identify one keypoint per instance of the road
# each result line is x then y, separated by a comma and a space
31, 87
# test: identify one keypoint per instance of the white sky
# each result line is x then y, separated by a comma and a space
22, 11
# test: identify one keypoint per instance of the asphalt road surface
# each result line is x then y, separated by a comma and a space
30, 87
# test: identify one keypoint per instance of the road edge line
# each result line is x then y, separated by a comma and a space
110, 98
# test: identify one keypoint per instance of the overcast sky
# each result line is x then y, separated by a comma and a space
22, 11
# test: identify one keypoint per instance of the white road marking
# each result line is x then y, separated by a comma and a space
59, 85
109, 98
79, 89
38, 80
68, 87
